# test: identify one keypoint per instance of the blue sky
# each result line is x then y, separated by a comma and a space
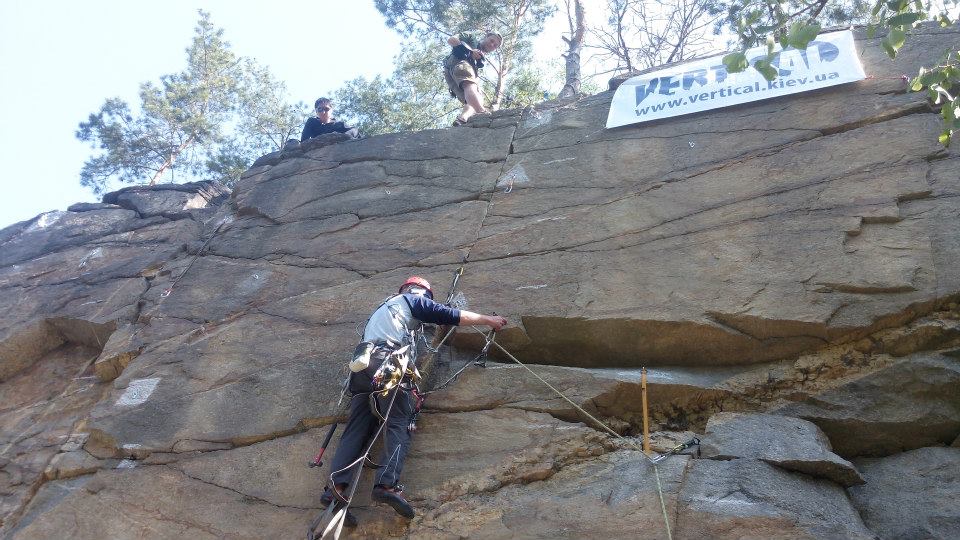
61, 59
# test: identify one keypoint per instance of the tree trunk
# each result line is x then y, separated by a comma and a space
498, 92
574, 44
169, 162
507, 55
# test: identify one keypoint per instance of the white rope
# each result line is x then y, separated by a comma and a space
605, 427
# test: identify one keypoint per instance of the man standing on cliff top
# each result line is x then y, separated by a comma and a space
391, 326
461, 69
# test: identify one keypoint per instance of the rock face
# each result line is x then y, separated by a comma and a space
911, 495
914, 402
170, 358
746, 498
789, 443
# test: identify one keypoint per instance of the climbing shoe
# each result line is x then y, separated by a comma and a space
350, 520
394, 497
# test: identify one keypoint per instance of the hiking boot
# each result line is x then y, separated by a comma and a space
350, 520
394, 497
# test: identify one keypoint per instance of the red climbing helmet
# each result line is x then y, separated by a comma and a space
419, 282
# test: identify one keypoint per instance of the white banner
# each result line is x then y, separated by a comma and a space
702, 85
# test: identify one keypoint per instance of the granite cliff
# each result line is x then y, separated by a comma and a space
786, 270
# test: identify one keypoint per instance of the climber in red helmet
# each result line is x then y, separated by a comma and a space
391, 326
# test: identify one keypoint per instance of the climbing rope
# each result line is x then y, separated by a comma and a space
336, 511
196, 256
652, 461
435, 350
480, 361
427, 365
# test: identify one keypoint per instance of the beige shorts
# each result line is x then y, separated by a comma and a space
456, 73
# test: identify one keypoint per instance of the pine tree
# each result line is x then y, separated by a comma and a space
208, 121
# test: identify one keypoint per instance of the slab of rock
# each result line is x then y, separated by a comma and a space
911, 403
71, 464
746, 498
911, 495
789, 443
56, 230
507, 449
158, 502
174, 201
274, 471
630, 241
926, 334
40, 408
621, 209
609, 393
612, 496
366, 246
114, 256
216, 288
224, 382
89, 207
78, 293
505, 446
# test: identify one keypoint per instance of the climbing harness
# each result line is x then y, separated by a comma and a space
398, 364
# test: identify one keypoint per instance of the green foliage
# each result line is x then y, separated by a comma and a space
753, 20
518, 21
209, 120
766, 69
436, 18
528, 87
414, 97
801, 34
794, 23
941, 82
736, 62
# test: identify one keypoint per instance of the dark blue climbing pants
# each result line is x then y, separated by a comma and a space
363, 424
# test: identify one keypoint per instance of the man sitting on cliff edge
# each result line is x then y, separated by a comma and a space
323, 122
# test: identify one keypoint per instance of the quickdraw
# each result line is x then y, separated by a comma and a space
677, 449
480, 361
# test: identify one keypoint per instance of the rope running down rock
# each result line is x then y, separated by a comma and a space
656, 471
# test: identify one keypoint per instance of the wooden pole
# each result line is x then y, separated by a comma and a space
646, 422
